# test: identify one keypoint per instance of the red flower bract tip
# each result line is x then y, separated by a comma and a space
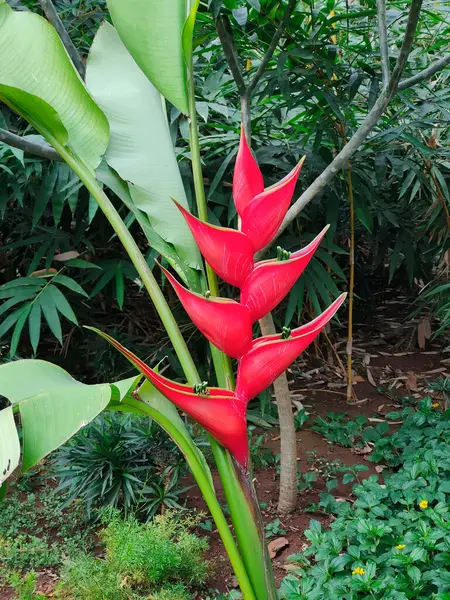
247, 178
264, 214
228, 252
217, 410
271, 355
271, 280
224, 322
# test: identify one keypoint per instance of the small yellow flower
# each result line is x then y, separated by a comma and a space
400, 546
423, 504
435, 405
358, 571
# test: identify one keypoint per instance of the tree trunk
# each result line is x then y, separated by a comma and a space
287, 498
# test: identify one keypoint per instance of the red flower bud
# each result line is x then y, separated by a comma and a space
264, 214
271, 280
227, 251
224, 322
271, 355
247, 178
217, 410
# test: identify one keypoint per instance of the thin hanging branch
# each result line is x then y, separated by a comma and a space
16, 141
51, 14
364, 129
223, 27
382, 34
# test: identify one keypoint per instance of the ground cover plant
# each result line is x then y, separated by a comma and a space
392, 540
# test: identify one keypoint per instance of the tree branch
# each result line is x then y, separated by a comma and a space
225, 33
16, 141
364, 129
271, 49
435, 66
382, 34
51, 14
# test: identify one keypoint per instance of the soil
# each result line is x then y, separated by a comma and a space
385, 370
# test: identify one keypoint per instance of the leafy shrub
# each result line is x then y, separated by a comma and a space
120, 461
36, 534
162, 557
24, 586
393, 541
345, 432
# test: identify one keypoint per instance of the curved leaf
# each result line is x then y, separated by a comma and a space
153, 33
9, 444
140, 149
53, 405
38, 81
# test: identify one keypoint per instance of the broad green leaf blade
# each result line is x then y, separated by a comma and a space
140, 149
188, 33
53, 405
123, 388
70, 283
9, 444
38, 80
152, 31
18, 330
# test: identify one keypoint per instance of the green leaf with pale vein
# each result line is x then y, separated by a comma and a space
38, 80
152, 30
140, 149
53, 406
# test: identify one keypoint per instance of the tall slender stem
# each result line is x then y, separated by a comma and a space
351, 284
239, 490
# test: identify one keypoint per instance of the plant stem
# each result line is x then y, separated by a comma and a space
206, 489
351, 284
239, 492
138, 260
165, 314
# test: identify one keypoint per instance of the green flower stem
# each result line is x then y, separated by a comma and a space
239, 491
206, 489
138, 260
176, 338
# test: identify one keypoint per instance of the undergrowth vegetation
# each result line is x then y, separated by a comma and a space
391, 540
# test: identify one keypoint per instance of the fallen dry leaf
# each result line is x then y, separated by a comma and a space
370, 378
276, 545
66, 255
411, 383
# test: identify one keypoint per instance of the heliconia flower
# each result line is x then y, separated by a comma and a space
247, 178
218, 410
271, 355
227, 251
264, 214
271, 280
226, 323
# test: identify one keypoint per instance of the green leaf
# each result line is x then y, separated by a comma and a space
140, 149
69, 283
153, 32
34, 324
61, 303
51, 314
120, 287
188, 33
9, 441
53, 406
18, 329
45, 192
38, 80
10, 321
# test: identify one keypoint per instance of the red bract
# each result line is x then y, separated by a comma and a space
247, 179
271, 280
220, 412
228, 252
264, 214
271, 355
224, 322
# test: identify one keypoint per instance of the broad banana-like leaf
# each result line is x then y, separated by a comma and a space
140, 149
53, 406
38, 80
9, 444
152, 30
